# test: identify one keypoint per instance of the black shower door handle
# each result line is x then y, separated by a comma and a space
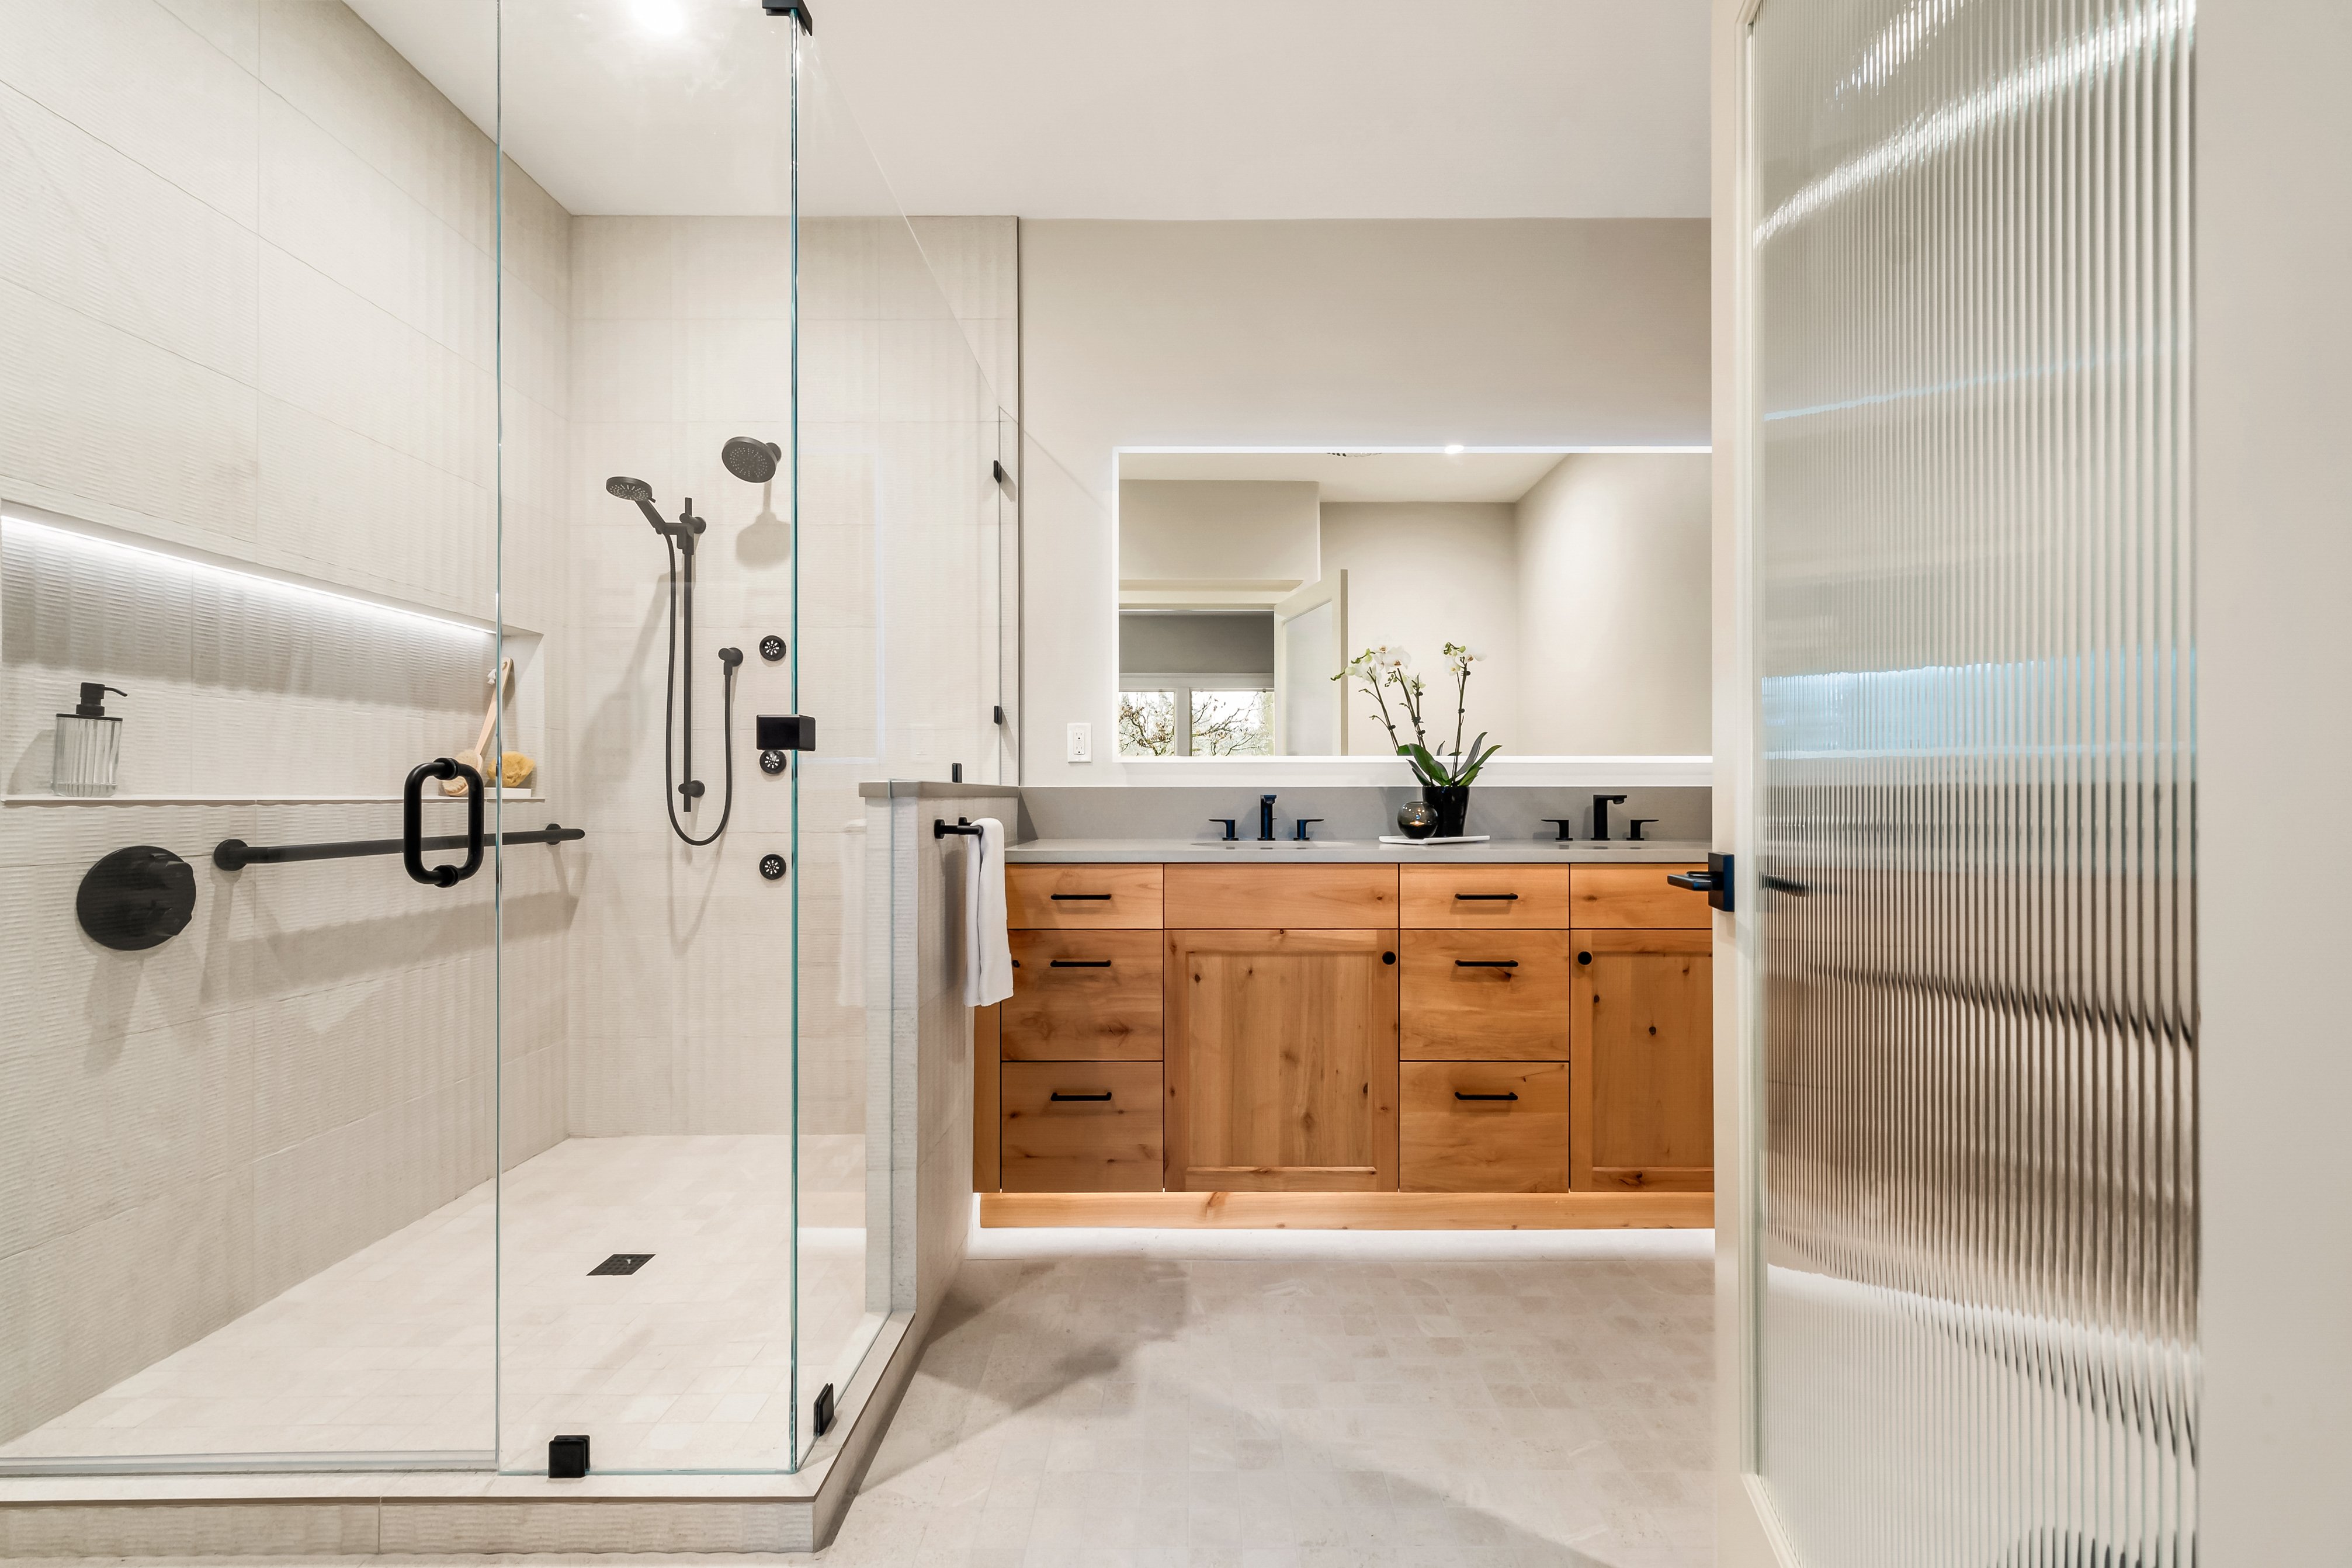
412, 822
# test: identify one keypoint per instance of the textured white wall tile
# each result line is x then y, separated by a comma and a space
332, 67
117, 242
191, 115
98, 423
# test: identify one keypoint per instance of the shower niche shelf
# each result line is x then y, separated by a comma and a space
249, 684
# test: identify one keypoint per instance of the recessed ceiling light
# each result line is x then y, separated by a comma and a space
663, 18
1455, 450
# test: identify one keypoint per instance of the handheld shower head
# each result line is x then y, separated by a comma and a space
753, 462
642, 493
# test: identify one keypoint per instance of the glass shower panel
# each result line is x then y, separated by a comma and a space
759, 479
249, 379
1978, 1329
647, 1253
905, 502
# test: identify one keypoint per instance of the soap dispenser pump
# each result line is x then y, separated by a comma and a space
89, 739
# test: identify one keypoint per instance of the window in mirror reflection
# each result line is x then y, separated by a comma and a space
1147, 724
1232, 724
1183, 721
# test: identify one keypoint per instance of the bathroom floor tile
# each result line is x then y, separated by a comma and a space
681, 1364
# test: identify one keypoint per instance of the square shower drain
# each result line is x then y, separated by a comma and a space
623, 1263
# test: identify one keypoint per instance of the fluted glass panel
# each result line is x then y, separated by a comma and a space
1977, 1338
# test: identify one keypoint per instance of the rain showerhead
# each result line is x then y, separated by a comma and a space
642, 493
753, 462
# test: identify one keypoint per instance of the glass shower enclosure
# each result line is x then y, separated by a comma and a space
439, 437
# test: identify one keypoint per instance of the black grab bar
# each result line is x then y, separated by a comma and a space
236, 853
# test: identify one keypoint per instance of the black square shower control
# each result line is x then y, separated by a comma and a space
786, 732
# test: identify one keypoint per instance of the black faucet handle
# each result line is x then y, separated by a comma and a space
1563, 821
1302, 828
1612, 799
1639, 823
1231, 827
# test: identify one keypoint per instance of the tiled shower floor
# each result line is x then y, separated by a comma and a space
683, 1364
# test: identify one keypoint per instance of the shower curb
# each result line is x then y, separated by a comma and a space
359, 1514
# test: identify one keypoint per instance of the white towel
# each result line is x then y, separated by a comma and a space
987, 954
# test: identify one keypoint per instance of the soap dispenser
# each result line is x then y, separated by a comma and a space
89, 739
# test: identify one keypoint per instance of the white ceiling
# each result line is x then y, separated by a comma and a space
1360, 476
1100, 108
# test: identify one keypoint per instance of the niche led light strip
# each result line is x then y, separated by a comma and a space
98, 541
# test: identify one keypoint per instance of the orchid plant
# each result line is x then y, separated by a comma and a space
1381, 670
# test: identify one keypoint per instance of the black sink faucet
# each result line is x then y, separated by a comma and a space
1266, 818
1601, 804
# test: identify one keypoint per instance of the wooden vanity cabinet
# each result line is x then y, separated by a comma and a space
1642, 1061
1356, 1027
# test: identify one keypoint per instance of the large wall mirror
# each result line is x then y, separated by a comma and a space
1248, 580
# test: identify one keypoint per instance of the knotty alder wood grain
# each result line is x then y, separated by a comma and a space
1636, 898
1081, 1143
1262, 897
1642, 1103
1458, 1001
1082, 898
1483, 1127
1281, 1059
1083, 995
985, 1105
1354, 1211
1483, 898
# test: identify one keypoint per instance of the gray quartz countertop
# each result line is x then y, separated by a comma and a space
1325, 851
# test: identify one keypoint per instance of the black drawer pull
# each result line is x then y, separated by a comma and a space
1504, 897
1486, 963
1058, 1096
1459, 1095
1067, 898
1080, 963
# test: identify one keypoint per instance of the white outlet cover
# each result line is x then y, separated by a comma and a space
1081, 747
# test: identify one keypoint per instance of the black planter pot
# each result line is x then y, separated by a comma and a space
1452, 804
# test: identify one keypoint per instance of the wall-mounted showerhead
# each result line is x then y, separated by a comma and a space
753, 462
642, 493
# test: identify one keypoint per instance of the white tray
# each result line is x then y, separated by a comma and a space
1464, 838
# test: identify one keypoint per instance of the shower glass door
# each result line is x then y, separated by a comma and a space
748, 470
250, 487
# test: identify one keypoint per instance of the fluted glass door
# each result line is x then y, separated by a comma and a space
1968, 249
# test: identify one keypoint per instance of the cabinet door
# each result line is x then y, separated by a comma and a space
1642, 1061
1282, 1060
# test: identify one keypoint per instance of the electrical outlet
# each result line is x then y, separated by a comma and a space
1082, 744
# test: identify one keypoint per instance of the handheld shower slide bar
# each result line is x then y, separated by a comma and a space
754, 462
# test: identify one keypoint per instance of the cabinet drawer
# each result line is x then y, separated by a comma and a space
1100, 1135
1485, 995
1636, 897
1082, 898
1082, 996
1481, 898
1483, 1127
1282, 897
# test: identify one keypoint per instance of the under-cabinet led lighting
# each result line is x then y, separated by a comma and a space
312, 594
1455, 450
